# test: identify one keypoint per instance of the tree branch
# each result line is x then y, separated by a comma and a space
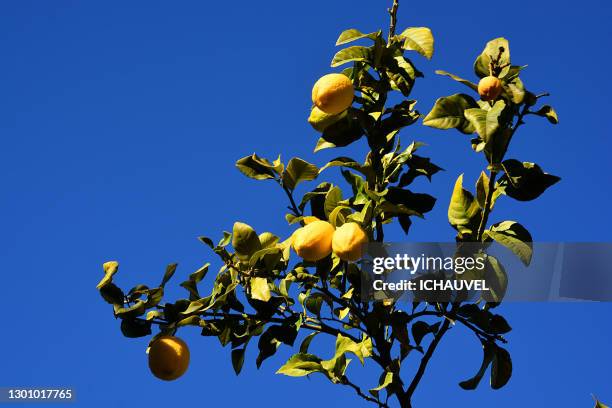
393, 14
407, 396
345, 381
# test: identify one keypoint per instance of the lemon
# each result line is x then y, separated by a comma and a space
348, 241
320, 120
333, 93
313, 241
168, 358
489, 88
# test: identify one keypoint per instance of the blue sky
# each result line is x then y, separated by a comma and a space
120, 123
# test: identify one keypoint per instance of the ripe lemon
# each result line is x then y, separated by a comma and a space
320, 120
313, 241
489, 88
348, 242
333, 93
168, 358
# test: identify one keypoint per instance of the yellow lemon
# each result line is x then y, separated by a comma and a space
489, 88
320, 120
312, 242
348, 242
168, 358
333, 93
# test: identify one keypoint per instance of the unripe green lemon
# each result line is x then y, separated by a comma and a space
320, 120
168, 358
313, 242
348, 242
489, 88
333, 93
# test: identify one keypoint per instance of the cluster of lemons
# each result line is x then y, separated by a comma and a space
332, 95
318, 239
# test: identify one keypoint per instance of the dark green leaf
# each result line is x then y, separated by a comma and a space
501, 368
238, 359
112, 294
488, 355
525, 181
135, 328
256, 167
170, 269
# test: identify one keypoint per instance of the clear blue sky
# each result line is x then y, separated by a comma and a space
119, 126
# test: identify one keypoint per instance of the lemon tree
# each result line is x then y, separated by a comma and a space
274, 291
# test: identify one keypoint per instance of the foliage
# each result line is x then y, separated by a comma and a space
261, 294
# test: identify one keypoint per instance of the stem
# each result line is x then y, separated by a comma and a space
393, 14
294, 207
405, 399
487, 205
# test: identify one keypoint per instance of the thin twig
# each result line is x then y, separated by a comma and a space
346, 381
393, 14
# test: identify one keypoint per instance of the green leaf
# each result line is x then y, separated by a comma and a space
501, 368
419, 39
515, 237
343, 132
524, 181
298, 170
170, 269
354, 53
260, 289
352, 34
599, 404
256, 167
323, 144
366, 170
486, 122
491, 50
267, 239
549, 113
488, 355
306, 342
465, 82
110, 268
238, 359
362, 349
332, 198
448, 113
301, 364
194, 278
245, 240
386, 380
462, 208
